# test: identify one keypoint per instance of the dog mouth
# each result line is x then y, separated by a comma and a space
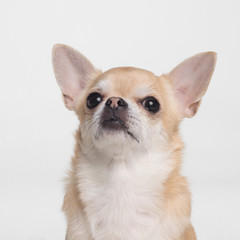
116, 124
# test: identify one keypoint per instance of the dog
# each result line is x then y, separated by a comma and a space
125, 181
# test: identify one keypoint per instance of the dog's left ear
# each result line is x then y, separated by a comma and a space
190, 81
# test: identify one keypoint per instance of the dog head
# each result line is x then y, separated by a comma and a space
130, 106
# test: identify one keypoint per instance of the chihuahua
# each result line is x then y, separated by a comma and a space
125, 181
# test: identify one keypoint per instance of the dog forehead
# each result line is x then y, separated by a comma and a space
127, 80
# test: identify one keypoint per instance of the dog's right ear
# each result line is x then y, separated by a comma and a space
72, 71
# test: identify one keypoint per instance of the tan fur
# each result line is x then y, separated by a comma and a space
164, 193
177, 198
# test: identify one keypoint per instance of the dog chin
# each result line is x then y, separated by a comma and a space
113, 136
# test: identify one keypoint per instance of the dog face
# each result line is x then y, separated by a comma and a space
130, 106
123, 105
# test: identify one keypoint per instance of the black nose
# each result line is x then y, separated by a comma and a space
115, 102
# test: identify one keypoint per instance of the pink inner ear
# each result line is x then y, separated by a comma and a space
68, 101
190, 81
72, 71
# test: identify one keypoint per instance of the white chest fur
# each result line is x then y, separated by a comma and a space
123, 198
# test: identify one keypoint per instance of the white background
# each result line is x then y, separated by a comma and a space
37, 131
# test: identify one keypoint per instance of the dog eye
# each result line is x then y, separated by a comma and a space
93, 100
151, 104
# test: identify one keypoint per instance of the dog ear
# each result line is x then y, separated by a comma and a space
72, 71
190, 81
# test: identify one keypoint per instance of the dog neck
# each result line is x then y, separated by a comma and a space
129, 157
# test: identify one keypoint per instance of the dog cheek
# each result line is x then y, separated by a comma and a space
138, 125
89, 125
